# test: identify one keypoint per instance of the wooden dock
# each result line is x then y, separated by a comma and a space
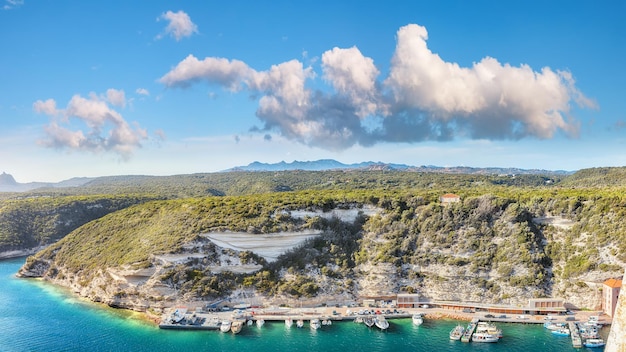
575, 335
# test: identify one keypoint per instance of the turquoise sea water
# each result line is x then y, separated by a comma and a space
35, 316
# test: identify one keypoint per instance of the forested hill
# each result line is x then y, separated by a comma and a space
597, 177
509, 238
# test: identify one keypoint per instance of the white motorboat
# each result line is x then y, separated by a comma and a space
457, 332
381, 322
288, 322
484, 337
225, 326
418, 318
236, 326
260, 323
368, 321
300, 323
315, 324
598, 342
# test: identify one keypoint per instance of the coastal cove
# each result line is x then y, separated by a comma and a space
37, 316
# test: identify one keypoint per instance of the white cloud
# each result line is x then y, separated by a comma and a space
116, 97
12, 4
179, 25
423, 98
106, 129
353, 75
48, 107
142, 91
229, 73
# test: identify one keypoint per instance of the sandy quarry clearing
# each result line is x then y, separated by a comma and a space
269, 246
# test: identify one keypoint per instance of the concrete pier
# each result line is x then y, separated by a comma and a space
575, 335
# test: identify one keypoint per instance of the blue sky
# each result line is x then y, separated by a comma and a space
94, 88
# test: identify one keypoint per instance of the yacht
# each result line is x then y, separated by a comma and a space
368, 321
417, 318
260, 322
484, 337
300, 323
488, 328
288, 322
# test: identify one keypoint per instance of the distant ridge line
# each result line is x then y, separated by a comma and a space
330, 164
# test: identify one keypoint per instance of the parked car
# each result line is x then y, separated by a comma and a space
489, 316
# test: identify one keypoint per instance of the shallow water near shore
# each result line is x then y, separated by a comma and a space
36, 316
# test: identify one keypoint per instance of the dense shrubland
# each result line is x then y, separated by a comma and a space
491, 238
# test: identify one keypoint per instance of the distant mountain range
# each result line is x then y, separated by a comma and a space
330, 164
8, 183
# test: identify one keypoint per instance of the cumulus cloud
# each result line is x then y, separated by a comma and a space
423, 97
103, 128
179, 25
48, 107
116, 97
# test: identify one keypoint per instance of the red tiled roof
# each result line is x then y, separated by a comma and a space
614, 283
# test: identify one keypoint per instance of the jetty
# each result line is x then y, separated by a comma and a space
575, 335
467, 335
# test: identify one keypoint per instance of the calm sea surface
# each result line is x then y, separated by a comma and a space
35, 316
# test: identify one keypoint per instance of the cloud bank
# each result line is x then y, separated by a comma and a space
90, 124
423, 97
179, 25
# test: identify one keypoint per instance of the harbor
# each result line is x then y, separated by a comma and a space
582, 328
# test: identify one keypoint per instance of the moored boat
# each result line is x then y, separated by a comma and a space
561, 332
225, 326
236, 326
484, 337
288, 322
300, 323
457, 332
368, 321
381, 322
260, 322
598, 342
417, 318
315, 324
488, 328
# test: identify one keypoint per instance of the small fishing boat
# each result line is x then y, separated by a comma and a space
288, 322
300, 323
561, 332
260, 323
594, 343
457, 332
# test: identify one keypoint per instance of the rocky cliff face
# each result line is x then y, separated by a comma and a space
616, 341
